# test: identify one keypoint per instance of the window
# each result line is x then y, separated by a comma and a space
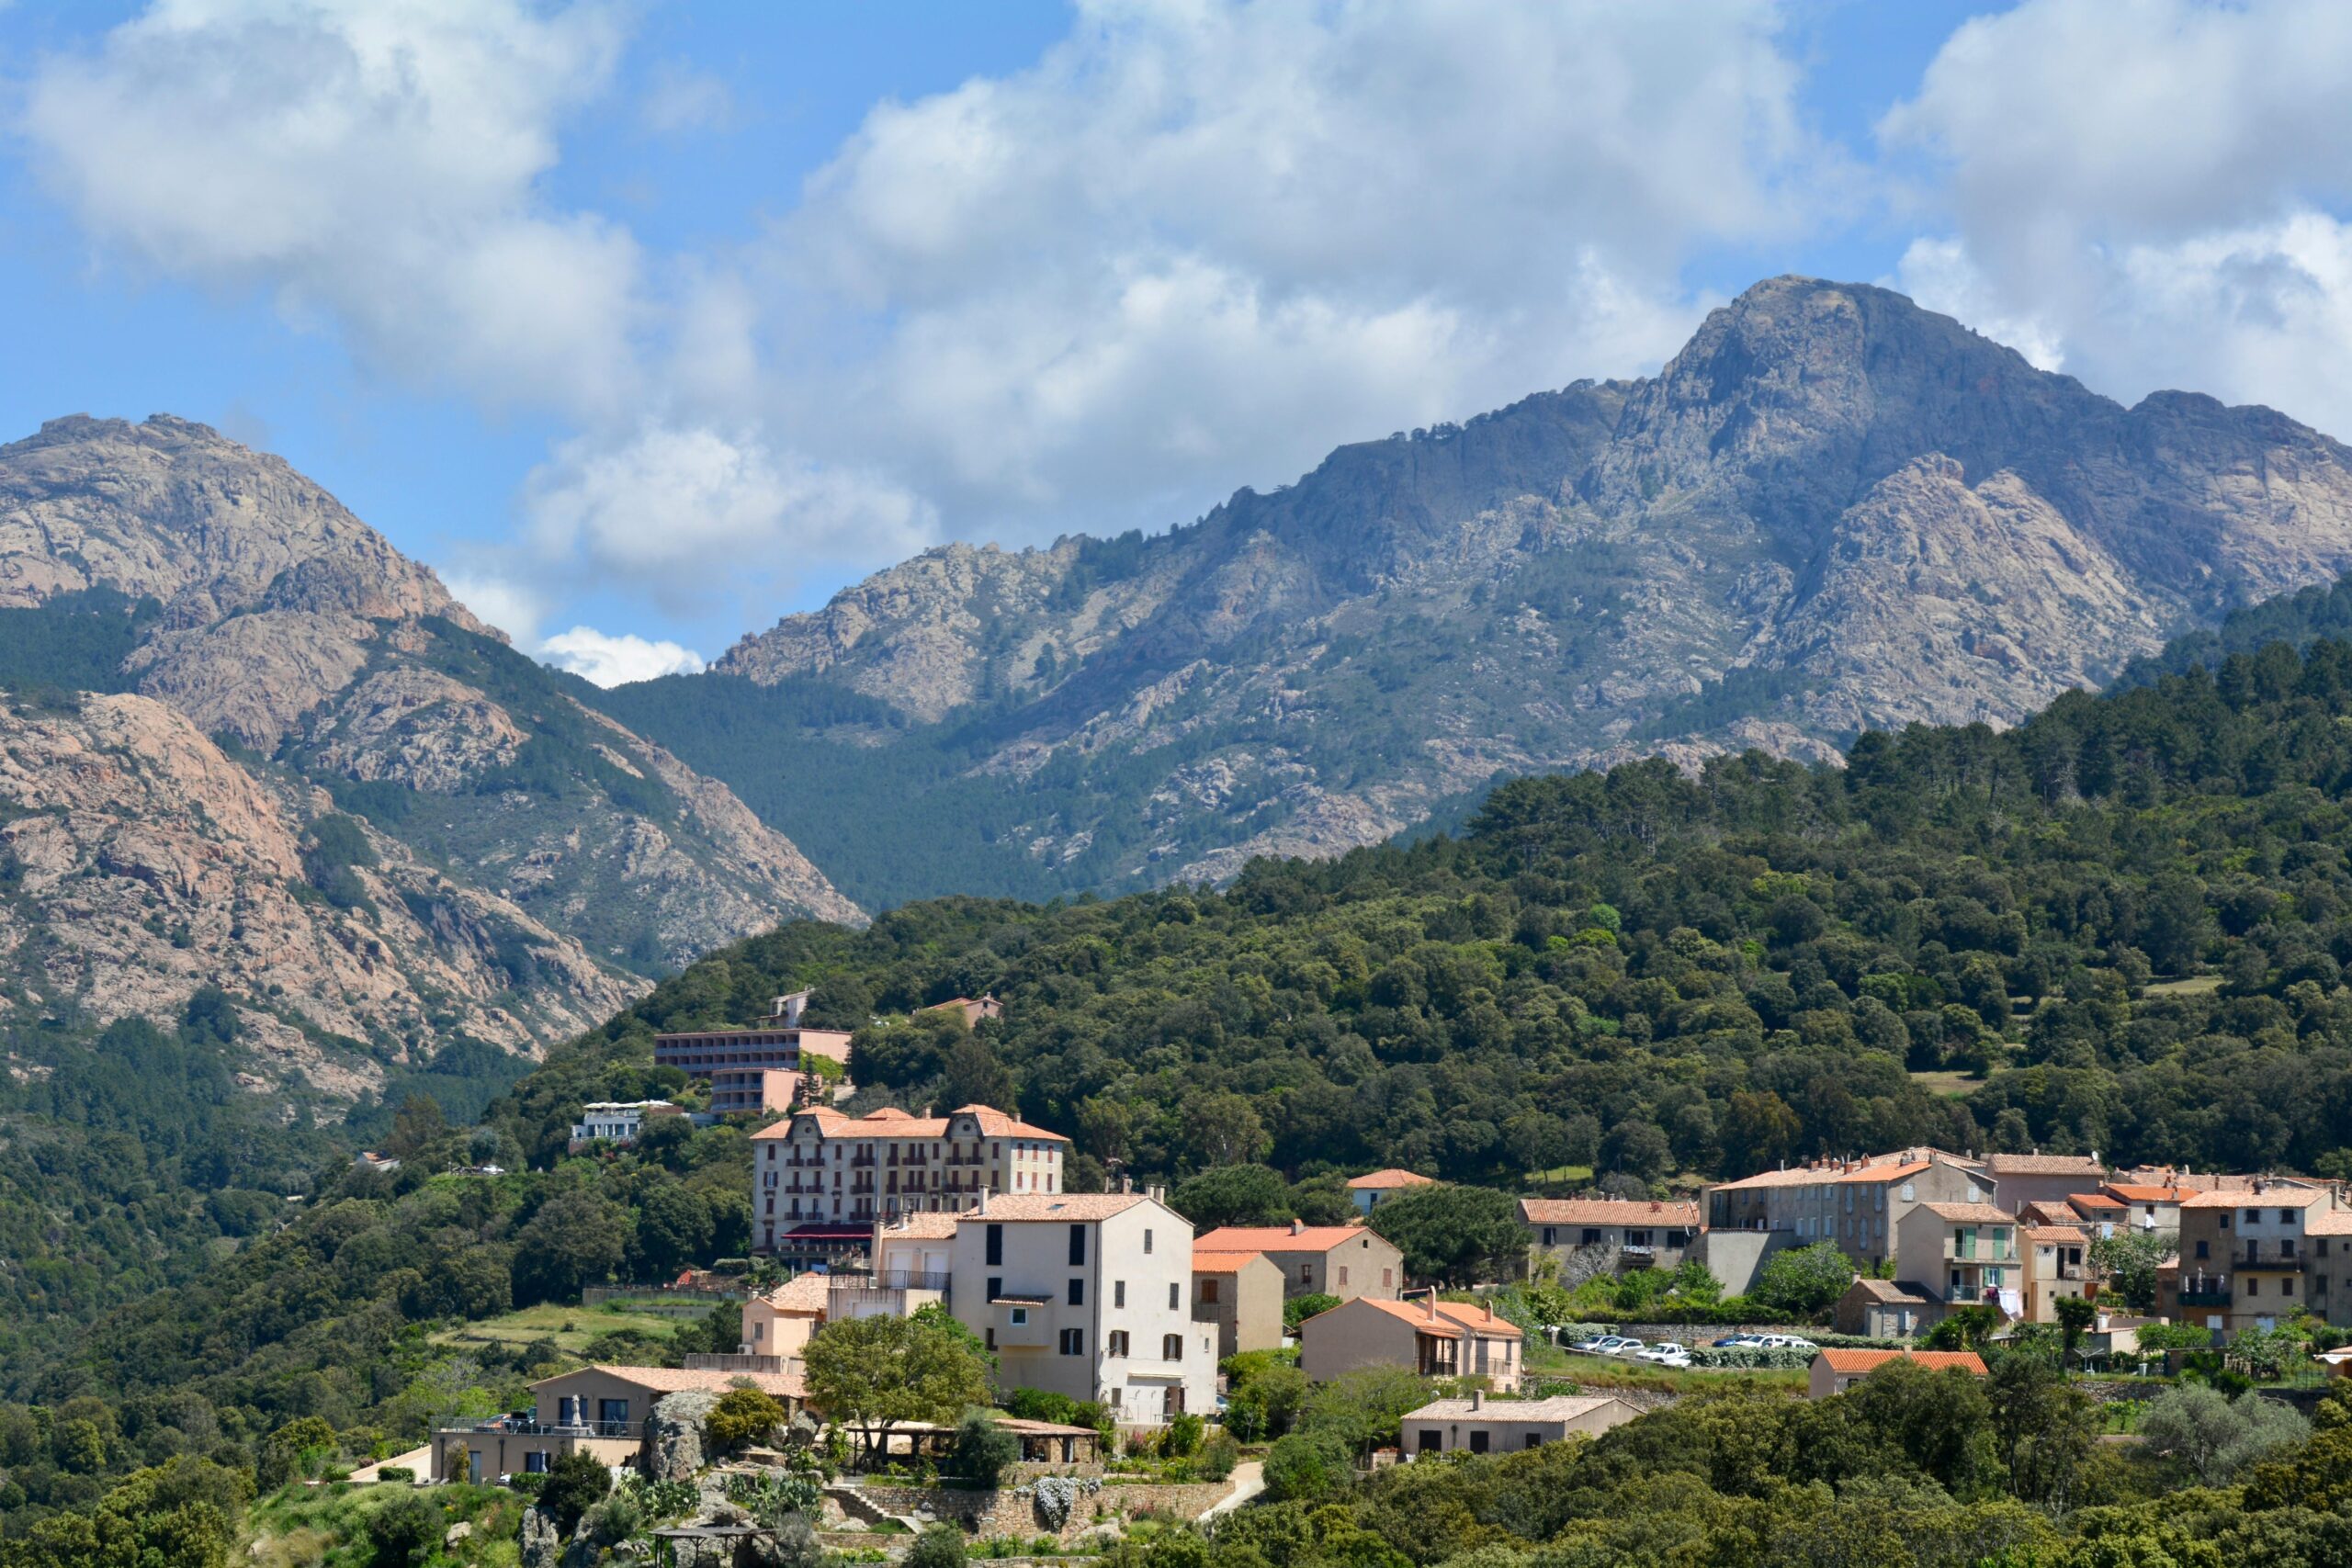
1078, 1247
1146, 1239
1388, 1276
1208, 1289
2287, 1248
1175, 1295
1116, 1345
2254, 1287
1078, 1292
1535, 1440
1548, 1236
615, 1411
1171, 1346
1306, 1273
1118, 1292
991, 1338
1020, 1317
2286, 1216
535, 1464
2204, 1249
2286, 1286
1591, 1237
996, 1248
1073, 1342
1343, 1276
996, 1286
1479, 1440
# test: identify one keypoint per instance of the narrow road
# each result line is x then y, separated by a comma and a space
1248, 1479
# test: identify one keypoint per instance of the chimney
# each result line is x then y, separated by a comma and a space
1477, 1400
984, 1201
1157, 1194
1297, 1225
1126, 1184
1432, 1304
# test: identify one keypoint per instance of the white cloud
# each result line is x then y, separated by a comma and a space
692, 514
1195, 245
2144, 189
610, 660
499, 601
373, 164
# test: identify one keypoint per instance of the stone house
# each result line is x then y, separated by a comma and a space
1835, 1371
1635, 1234
599, 1409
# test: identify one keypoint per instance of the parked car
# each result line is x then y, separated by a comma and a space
1680, 1359
1667, 1350
1740, 1342
1601, 1344
1786, 1342
1628, 1347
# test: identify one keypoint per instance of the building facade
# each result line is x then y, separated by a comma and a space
1962, 1254
1857, 1204
2020, 1179
1481, 1425
2251, 1257
775, 1041
615, 1121
2057, 1265
1435, 1338
1835, 1371
1087, 1295
1375, 1187
1633, 1233
821, 1169
1241, 1294
600, 1410
1346, 1261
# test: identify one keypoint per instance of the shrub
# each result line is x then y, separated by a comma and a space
395, 1473
1305, 1468
1183, 1436
1298, 1309
1218, 1455
984, 1450
742, 1416
575, 1483
939, 1546
403, 1531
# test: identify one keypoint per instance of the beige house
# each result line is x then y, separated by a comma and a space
1241, 1294
1435, 1338
1857, 1204
974, 1008
823, 1168
2018, 1180
2057, 1265
599, 1409
1886, 1309
779, 1322
1962, 1255
1835, 1371
1370, 1190
1087, 1295
1480, 1425
1345, 1261
1633, 1233
2150, 1206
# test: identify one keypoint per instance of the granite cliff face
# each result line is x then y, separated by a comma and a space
293, 767
1831, 509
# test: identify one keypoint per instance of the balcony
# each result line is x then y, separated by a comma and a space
738, 1362
2206, 1296
2270, 1261
515, 1427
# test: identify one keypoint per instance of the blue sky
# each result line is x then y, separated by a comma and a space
647, 324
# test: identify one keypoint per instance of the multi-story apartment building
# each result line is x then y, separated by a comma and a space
758, 1090
823, 1169
1859, 1204
1087, 1295
1962, 1254
2253, 1256
1635, 1234
776, 1043
1346, 1261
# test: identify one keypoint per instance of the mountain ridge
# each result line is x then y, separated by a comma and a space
1832, 510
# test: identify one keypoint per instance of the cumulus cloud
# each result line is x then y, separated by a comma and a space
372, 165
688, 511
610, 660
2144, 190
1199, 244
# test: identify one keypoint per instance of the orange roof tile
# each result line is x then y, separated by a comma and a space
1279, 1238
2133, 1193
1078, 1206
1970, 1213
802, 1292
676, 1379
997, 1123
1475, 1318
2269, 1197
1605, 1212
1877, 1173
1870, 1360
2045, 1164
1207, 1262
1383, 1180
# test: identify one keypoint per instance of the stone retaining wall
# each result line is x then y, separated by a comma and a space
1011, 1510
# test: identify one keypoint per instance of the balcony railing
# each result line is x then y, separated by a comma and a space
738, 1361
512, 1427
2271, 1262
2207, 1297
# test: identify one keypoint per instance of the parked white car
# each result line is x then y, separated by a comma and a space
1599, 1344
1667, 1350
1680, 1359
1786, 1342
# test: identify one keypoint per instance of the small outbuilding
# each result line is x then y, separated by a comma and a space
1478, 1425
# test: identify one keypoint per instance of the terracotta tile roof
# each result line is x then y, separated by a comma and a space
2055, 1233
1764, 1179
2133, 1193
675, 1380
1071, 1206
1892, 1292
1279, 1238
1870, 1360
920, 1227
1383, 1180
2269, 1197
1475, 1319
2330, 1221
2088, 1202
1998, 1166
1875, 1174
2049, 1214
1207, 1262
1606, 1212
1970, 1213
802, 1292
1559, 1407
998, 1124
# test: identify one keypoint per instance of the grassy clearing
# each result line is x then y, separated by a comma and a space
1607, 1373
326, 1527
1951, 1085
570, 1327
2195, 986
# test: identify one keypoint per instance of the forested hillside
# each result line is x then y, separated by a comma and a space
2121, 926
